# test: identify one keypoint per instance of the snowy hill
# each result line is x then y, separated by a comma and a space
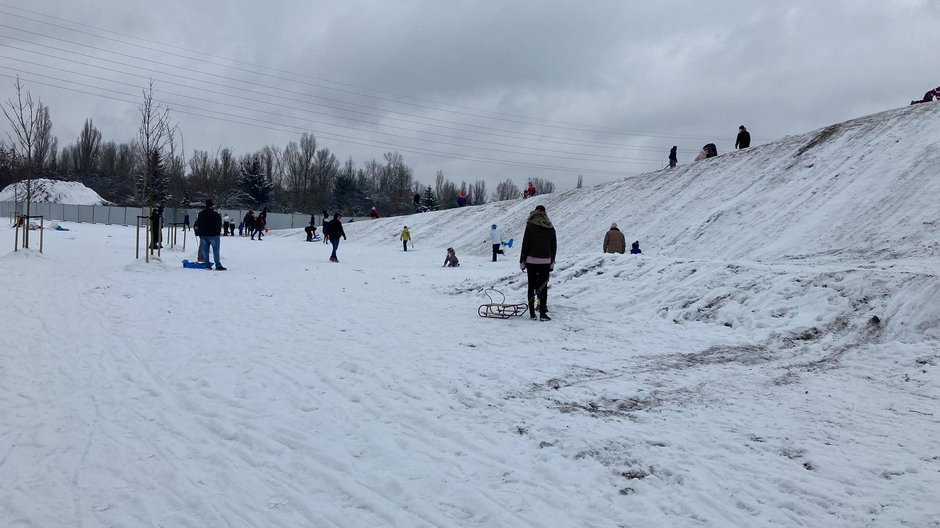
54, 191
771, 360
860, 190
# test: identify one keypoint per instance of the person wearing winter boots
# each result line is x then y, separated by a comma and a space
332, 230
635, 248
226, 222
537, 258
210, 226
405, 237
614, 242
496, 239
673, 159
744, 138
450, 261
260, 222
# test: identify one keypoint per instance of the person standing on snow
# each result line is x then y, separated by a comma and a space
673, 159
537, 257
496, 238
332, 230
210, 226
226, 222
614, 242
744, 138
405, 237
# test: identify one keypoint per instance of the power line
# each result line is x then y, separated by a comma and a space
488, 130
122, 72
568, 158
342, 138
525, 119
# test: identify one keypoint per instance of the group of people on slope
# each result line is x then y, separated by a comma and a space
615, 242
710, 150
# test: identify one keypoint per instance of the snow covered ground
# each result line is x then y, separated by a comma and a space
771, 359
53, 191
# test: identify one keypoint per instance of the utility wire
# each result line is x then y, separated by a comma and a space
438, 107
342, 138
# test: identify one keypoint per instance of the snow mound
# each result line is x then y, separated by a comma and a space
54, 191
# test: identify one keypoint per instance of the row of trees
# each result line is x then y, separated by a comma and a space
302, 176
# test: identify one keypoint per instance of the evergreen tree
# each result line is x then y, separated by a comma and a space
429, 201
255, 183
156, 185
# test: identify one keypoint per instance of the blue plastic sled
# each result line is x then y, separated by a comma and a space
60, 228
194, 265
508, 244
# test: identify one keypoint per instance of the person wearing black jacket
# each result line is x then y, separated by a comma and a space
332, 230
744, 138
209, 226
673, 159
537, 257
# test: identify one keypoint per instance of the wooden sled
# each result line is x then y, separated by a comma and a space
500, 310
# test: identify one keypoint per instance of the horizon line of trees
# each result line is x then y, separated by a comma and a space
151, 169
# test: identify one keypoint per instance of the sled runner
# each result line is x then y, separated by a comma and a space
500, 310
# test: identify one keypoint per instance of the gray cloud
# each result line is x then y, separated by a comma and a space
603, 86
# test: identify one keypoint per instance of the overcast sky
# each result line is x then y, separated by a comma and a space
478, 89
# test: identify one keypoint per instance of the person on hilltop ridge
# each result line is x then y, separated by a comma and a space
461, 199
929, 96
374, 213
744, 138
673, 159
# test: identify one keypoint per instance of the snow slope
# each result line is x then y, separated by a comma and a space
770, 360
54, 191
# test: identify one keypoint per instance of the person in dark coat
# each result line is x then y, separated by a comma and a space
332, 231
210, 227
614, 241
249, 222
635, 248
186, 222
673, 159
744, 138
156, 227
311, 231
537, 257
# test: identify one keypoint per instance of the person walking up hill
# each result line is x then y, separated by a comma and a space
537, 257
332, 230
405, 237
744, 138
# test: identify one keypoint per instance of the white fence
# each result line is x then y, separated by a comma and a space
100, 214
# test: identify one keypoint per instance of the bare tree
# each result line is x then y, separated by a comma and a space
44, 150
478, 192
25, 117
543, 186
506, 190
153, 136
87, 148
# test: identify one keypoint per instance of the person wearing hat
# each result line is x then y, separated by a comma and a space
496, 238
405, 237
673, 158
744, 138
209, 224
614, 242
